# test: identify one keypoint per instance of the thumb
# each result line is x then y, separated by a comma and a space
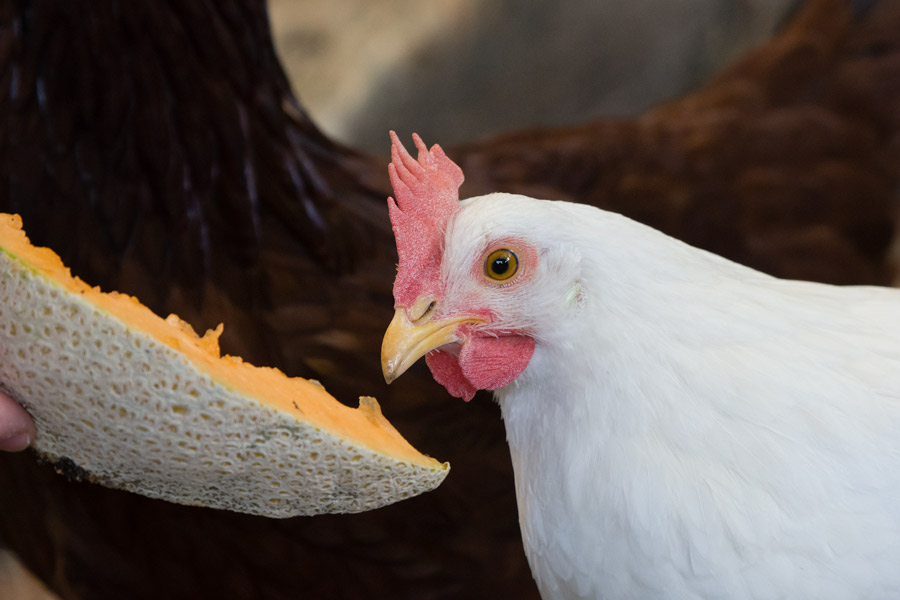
16, 427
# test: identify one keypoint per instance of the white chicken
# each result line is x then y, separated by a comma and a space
680, 426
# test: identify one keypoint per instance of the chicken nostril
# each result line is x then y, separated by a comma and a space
427, 311
420, 310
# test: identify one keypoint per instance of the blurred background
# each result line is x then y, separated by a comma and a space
456, 70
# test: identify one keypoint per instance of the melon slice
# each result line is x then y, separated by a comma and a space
126, 399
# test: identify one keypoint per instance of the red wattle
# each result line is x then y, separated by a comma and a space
490, 363
446, 371
484, 363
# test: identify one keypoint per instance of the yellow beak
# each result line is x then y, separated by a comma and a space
405, 342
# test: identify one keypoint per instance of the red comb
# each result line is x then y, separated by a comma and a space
427, 192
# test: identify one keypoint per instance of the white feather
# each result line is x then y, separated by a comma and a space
688, 427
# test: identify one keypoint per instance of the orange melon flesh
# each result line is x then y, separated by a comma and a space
367, 462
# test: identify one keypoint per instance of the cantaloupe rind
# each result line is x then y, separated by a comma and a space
132, 401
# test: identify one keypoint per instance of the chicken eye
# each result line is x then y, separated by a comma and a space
501, 264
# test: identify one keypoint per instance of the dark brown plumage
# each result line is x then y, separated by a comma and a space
157, 147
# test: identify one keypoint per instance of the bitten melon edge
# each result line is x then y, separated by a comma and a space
211, 424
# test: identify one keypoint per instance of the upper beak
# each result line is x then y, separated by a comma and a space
405, 342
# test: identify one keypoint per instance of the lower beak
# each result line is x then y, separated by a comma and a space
406, 342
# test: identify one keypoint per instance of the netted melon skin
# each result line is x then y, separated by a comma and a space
132, 413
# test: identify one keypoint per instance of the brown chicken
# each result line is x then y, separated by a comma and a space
158, 148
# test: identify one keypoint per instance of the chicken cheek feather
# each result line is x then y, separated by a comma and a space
484, 363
